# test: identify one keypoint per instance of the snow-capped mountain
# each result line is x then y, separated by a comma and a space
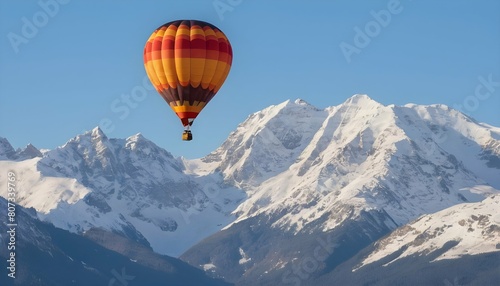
407, 160
356, 172
289, 178
475, 227
129, 186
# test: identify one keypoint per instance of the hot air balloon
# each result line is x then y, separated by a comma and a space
187, 61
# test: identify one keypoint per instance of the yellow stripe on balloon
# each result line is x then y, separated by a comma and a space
197, 69
187, 108
171, 31
196, 30
218, 78
152, 74
223, 79
209, 72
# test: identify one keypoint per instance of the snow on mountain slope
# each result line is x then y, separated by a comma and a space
266, 143
454, 132
129, 186
474, 226
37, 191
406, 161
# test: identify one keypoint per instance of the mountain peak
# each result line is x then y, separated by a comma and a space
300, 101
6, 150
138, 141
360, 99
29, 152
97, 133
136, 138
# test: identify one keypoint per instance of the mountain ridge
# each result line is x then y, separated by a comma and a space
290, 169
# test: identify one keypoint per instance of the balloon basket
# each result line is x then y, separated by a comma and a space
187, 135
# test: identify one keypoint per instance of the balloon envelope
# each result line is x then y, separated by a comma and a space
187, 61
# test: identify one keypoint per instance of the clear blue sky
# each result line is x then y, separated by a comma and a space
65, 65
